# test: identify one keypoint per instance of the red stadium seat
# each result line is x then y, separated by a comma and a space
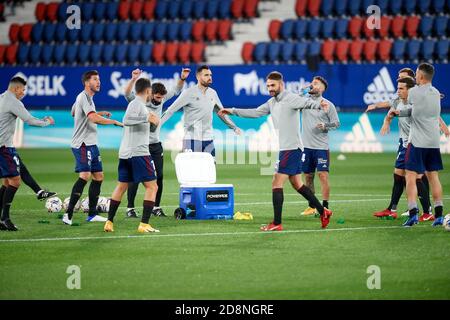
355, 26
40, 11
225, 29
136, 9
412, 24
342, 48
370, 50
274, 29
171, 52
2, 53
356, 48
211, 29
124, 10
368, 33
158, 52
300, 7
197, 52
11, 53
384, 50
247, 52
184, 52
14, 31
314, 7
25, 32
149, 9
237, 8
398, 24
251, 8
385, 26
198, 30
52, 11
327, 50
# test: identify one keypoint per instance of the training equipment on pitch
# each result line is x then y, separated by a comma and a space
53, 204
66, 204
446, 223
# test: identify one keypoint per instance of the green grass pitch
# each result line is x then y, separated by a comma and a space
227, 259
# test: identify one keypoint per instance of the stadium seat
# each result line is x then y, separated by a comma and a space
198, 9
59, 52
355, 27
34, 56
300, 28
300, 7
224, 9
160, 31
398, 50
87, 11
84, 51
383, 4
340, 7
62, 12
158, 52
286, 30
173, 10
185, 31
52, 11
40, 12
438, 6
384, 50
22, 53
14, 31
25, 32
342, 47
85, 32
186, 9
412, 24
148, 9
71, 53
251, 8
273, 52
385, 26
426, 25
314, 28
2, 53
300, 49
314, 48
172, 31
72, 35
370, 50
212, 9
398, 25
96, 53
49, 32
440, 26
110, 31
342, 27
60, 33
274, 29
442, 50
147, 31
108, 53
211, 29
356, 48
354, 7
247, 52
314, 7
327, 50
162, 6
136, 9
409, 6
11, 53
328, 27
225, 29
412, 50
99, 11
287, 52
237, 8
120, 53
123, 29
136, 31
260, 52
2, 19
124, 10
184, 52
423, 6
111, 10
198, 30
197, 52
171, 52
368, 33
427, 49
326, 7
37, 31
145, 55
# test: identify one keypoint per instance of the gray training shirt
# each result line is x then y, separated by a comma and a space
85, 131
198, 109
284, 109
12, 108
136, 130
404, 123
157, 109
425, 112
313, 137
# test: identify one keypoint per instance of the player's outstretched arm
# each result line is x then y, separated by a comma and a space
177, 89
226, 119
378, 105
386, 127
179, 103
262, 110
106, 114
129, 88
21, 112
95, 118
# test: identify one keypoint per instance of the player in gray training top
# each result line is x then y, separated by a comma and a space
423, 152
157, 98
316, 156
84, 147
198, 103
284, 108
12, 108
135, 162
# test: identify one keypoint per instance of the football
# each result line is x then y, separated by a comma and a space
85, 205
66, 204
446, 223
54, 204
103, 204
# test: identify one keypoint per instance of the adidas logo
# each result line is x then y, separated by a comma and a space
382, 88
445, 144
362, 138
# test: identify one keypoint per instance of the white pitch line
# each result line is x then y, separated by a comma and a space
200, 234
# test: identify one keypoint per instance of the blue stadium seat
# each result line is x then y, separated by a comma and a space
47, 54
172, 31
354, 7
440, 25
287, 51
438, 6
273, 52
412, 50
22, 53
34, 56
37, 31
83, 53
96, 53
147, 31
340, 6
49, 32
287, 29
328, 27
72, 35
86, 32
314, 48
135, 31
110, 31
199, 8
186, 9
60, 33
98, 31
398, 49
212, 9
145, 55
442, 50
111, 10
383, 4
161, 9
260, 52
108, 53
160, 31
300, 51
424, 6
123, 29
120, 54
300, 28
87, 11
428, 49
59, 52
185, 31
71, 53
426, 25
133, 53
314, 28
409, 6
326, 7
174, 9
341, 27
62, 12
224, 9
100, 11
395, 7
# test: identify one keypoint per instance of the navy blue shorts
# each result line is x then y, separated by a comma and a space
9, 163
289, 162
401, 152
137, 169
87, 159
313, 159
423, 159
199, 146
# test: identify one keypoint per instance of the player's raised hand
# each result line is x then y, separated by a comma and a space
185, 73
135, 74
371, 107
325, 106
225, 111
393, 113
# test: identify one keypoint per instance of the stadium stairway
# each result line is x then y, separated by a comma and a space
23, 14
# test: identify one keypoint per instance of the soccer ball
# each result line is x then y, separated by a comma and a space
103, 204
66, 204
85, 205
446, 223
53, 204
